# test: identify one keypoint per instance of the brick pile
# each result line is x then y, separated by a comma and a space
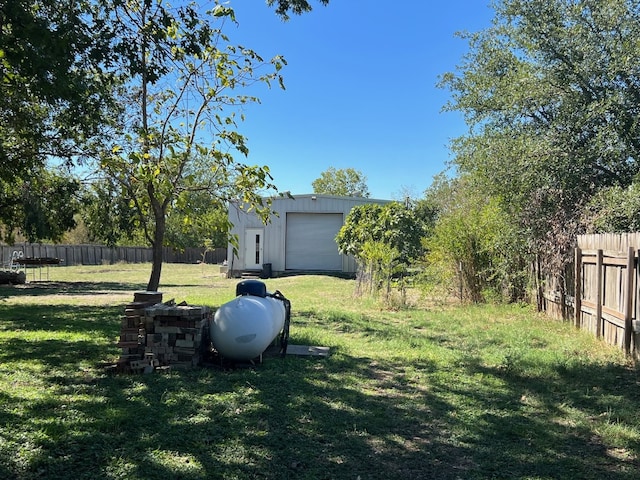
133, 329
157, 335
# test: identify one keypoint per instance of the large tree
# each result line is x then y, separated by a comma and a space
54, 91
551, 93
54, 98
185, 85
195, 218
40, 207
59, 65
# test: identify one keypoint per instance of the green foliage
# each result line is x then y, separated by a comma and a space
614, 210
474, 246
392, 224
197, 221
550, 94
42, 207
378, 263
538, 68
71, 73
178, 135
55, 94
54, 104
108, 216
194, 218
296, 7
345, 182
426, 212
384, 239
49, 203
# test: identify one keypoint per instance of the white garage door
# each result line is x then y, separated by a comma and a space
311, 241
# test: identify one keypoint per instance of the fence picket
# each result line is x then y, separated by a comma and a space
577, 317
628, 301
98, 254
599, 292
605, 289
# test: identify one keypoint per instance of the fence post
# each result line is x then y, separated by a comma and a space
599, 283
577, 298
628, 308
539, 288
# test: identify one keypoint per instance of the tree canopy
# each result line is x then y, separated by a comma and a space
393, 224
179, 120
55, 93
345, 182
67, 68
297, 7
54, 103
384, 239
39, 207
551, 93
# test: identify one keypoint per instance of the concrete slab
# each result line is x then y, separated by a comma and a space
299, 351
308, 351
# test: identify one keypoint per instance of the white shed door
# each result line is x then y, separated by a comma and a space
253, 246
311, 241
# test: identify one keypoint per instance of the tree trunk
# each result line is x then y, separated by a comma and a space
156, 252
156, 267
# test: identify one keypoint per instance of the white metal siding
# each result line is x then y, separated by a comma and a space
276, 233
310, 241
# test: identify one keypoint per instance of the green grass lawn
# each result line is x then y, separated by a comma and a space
459, 392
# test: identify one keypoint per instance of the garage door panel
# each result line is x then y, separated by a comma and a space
310, 241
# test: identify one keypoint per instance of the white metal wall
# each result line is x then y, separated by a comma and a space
275, 233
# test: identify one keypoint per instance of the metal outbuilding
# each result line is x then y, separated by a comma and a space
300, 236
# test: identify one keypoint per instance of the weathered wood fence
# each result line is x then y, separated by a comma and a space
99, 254
603, 291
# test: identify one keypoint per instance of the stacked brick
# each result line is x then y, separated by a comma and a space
157, 335
174, 334
133, 330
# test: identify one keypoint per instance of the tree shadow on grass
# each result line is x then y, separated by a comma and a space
68, 288
346, 416
289, 419
93, 289
56, 354
342, 417
440, 428
552, 426
100, 321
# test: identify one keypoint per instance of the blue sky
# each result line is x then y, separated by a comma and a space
360, 90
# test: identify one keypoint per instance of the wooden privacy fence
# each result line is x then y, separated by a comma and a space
602, 296
606, 294
100, 254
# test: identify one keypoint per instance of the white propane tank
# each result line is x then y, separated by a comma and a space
244, 327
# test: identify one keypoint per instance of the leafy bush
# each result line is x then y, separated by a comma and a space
385, 240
